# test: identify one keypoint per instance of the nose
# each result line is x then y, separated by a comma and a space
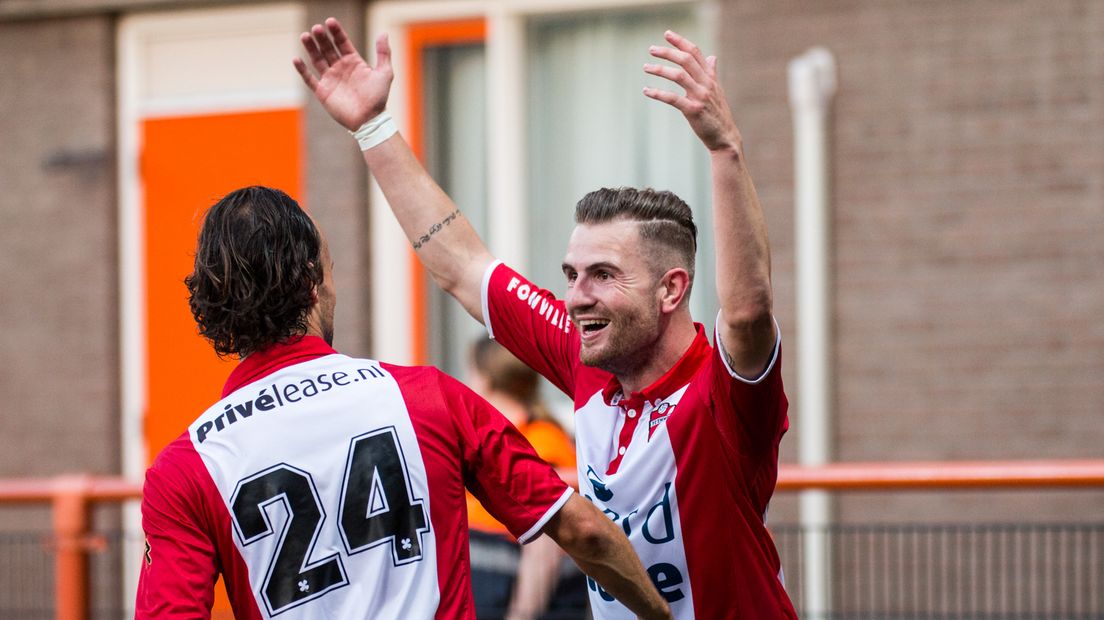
579, 296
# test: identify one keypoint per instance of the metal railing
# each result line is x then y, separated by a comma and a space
956, 570
884, 571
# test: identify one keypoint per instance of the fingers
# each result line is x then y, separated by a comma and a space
324, 43
676, 75
686, 60
304, 72
685, 54
383, 53
317, 61
684, 44
341, 40
682, 104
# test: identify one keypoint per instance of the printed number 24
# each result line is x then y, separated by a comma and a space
375, 468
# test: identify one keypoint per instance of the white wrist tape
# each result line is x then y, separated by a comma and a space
375, 131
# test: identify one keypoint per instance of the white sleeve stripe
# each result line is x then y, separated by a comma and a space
535, 530
724, 358
484, 289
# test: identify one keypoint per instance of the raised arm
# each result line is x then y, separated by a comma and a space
354, 93
743, 255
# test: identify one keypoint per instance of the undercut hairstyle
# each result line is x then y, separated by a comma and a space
665, 220
257, 263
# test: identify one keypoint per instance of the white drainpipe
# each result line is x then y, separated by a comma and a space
812, 79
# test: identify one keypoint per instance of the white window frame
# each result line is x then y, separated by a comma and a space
506, 153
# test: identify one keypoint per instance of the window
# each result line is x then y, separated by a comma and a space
517, 126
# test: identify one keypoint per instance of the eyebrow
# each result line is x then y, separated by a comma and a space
608, 266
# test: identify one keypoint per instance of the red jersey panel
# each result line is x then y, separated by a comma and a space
323, 486
686, 467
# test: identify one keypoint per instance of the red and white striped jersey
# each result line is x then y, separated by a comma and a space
687, 466
323, 486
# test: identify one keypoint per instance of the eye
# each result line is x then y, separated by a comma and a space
571, 276
602, 275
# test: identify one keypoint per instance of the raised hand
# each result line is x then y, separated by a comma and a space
350, 90
704, 104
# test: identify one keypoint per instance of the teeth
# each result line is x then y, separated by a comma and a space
593, 323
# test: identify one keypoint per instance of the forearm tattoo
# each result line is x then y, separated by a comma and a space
728, 358
436, 228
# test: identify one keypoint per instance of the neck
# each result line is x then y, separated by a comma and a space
314, 324
674, 340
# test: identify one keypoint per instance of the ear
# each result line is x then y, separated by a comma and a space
314, 295
314, 290
673, 287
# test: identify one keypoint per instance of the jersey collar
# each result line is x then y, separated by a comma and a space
675, 377
263, 363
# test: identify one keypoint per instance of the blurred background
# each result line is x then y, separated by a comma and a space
932, 176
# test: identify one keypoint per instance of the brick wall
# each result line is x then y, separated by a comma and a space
58, 248
336, 192
968, 215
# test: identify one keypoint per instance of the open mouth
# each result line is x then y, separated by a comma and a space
589, 327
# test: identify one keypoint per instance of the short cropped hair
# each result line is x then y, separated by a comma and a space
665, 219
257, 263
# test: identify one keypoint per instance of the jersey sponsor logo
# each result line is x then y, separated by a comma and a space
655, 525
281, 396
658, 416
540, 304
601, 491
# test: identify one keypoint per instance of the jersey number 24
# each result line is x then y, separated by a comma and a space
377, 507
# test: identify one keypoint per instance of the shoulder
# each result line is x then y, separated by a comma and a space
178, 458
176, 477
424, 381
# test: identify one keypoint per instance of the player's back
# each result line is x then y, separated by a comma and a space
313, 480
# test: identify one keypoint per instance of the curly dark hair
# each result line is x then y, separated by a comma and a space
257, 263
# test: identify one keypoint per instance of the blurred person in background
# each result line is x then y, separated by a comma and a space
677, 438
510, 581
323, 486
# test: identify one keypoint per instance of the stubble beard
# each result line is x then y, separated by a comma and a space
326, 326
629, 343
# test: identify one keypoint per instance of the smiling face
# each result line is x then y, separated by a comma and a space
613, 296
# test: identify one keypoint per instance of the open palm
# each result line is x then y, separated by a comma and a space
350, 90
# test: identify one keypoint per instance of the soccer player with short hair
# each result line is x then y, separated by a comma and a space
677, 439
324, 486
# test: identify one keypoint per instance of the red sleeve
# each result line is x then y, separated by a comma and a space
532, 324
179, 568
751, 415
502, 470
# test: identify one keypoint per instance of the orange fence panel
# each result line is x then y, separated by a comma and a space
72, 496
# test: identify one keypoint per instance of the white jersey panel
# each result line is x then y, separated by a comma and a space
640, 497
321, 472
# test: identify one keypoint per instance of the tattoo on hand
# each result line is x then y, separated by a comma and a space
436, 228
